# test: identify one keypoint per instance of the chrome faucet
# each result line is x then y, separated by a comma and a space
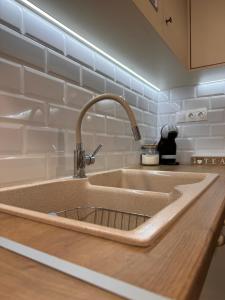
80, 158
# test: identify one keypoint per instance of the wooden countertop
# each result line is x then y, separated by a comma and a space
174, 267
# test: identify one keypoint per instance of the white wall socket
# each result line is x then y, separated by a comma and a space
193, 115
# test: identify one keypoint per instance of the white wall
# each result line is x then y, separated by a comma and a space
120, 29
206, 137
45, 78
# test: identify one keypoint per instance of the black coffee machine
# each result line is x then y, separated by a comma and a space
167, 147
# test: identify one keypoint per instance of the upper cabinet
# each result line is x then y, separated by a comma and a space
170, 20
207, 24
175, 27
193, 29
152, 13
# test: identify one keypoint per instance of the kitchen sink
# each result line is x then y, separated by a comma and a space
157, 181
128, 206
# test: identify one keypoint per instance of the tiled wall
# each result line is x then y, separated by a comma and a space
196, 137
46, 77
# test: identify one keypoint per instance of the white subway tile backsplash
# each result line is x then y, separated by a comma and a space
11, 139
136, 145
128, 130
143, 103
150, 93
151, 133
11, 14
42, 86
106, 140
172, 119
138, 114
218, 130
210, 143
152, 107
202, 136
106, 107
218, 102
163, 96
195, 130
167, 108
21, 48
113, 88
93, 81
87, 141
113, 143
182, 93
144, 131
60, 117
149, 118
210, 89
120, 112
114, 161
163, 119
130, 97
43, 31
44, 140
59, 65
215, 116
10, 76
79, 52
132, 159
185, 144
17, 109
122, 143
59, 165
45, 118
196, 103
77, 97
94, 123
114, 126
137, 86
104, 67
122, 77
15, 170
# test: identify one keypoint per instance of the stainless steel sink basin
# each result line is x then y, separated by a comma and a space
129, 206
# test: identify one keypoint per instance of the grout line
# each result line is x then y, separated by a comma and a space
22, 79
46, 60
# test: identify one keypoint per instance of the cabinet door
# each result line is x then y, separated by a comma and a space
207, 32
151, 14
175, 27
171, 22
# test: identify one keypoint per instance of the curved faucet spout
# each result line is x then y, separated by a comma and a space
81, 159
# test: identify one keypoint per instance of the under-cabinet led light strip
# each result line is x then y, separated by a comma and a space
84, 41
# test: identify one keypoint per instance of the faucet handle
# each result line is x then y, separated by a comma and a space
90, 159
97, 150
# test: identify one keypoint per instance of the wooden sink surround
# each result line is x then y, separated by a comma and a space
174, 266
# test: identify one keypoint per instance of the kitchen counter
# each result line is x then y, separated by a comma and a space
175, 266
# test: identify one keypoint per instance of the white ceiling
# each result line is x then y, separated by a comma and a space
118, 28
